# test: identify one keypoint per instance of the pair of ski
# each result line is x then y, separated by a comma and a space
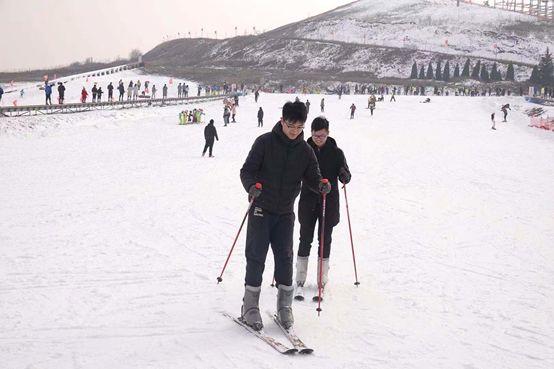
298, 345
299, 295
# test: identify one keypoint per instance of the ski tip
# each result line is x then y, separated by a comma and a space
306, 351
291, 351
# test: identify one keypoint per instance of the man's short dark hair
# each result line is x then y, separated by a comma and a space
320, 123
295, 112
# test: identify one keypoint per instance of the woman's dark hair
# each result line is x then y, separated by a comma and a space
295, 112
320, 123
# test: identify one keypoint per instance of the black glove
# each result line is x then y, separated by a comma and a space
344, 175
324, 187
255, 191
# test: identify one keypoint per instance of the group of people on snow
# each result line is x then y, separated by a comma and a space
192, 116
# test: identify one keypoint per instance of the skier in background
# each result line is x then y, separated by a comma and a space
493, 122
352, 110
260, 117
371, 103
504, 110
210, 133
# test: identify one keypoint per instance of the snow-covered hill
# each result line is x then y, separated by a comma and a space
113, 230
435, 25
364, 41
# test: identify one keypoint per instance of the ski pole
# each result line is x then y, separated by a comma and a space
351, 240
220, 279
321, 245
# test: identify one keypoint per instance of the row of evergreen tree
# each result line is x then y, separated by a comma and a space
479, 72
543, 73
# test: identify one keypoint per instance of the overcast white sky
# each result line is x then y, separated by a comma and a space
45, 33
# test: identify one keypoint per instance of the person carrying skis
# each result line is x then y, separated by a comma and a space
504, 110
352, 110
260, 117
333, 166
279, 160
210, 133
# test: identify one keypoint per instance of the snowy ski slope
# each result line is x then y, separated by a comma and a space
113, 230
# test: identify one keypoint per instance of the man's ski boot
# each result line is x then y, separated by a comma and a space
250, 310
284, 305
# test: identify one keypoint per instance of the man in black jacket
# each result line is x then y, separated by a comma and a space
279, 160
260, 117
332, 164
210, 133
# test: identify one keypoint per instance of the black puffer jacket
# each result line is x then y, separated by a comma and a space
280, 164
331, 159
210, 133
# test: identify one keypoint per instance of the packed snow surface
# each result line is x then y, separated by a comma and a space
113, 230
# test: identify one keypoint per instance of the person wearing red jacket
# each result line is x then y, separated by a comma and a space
84, 95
